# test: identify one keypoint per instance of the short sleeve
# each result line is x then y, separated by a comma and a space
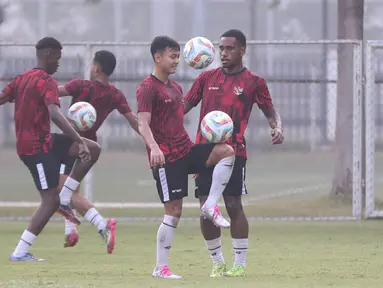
50, 91
9, 90
194, 96
122, 105
262, 95
75, 87
145, 95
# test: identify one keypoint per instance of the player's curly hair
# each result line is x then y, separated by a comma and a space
48, 42
237, 34
160, 43
106, 60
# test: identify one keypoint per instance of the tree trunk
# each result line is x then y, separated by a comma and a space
350, 26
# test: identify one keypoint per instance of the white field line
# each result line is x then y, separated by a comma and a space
283, 193
246, 199
287, 192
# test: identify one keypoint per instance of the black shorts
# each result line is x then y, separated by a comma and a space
45, 167
172, 178
235, 187
67, 164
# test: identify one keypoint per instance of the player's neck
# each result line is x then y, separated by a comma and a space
233, 70
163, 77
102, 80
42, 67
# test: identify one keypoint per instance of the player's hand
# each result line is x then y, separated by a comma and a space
156, 157
277, 136
83, 152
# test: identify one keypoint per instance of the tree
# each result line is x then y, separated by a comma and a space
350, 26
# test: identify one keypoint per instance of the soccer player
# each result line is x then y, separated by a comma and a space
36, 98
104, 97
171, 153
232, 89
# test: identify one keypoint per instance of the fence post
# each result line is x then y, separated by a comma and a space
88, 180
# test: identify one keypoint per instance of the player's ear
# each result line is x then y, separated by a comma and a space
157, 57
96, 68
243, 50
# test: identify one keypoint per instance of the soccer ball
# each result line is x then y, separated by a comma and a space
82, 115
199, 52
216, 127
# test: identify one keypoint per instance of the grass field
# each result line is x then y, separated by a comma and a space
281, 255
279, 183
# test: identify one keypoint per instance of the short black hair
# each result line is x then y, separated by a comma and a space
160, 43
49, 42
106, 60
237, 34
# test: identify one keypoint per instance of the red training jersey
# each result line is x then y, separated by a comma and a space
104, 99
233, 94
32, 92
165, 103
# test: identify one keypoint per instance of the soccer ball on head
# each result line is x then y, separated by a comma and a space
82, 115
216, 127
199, 52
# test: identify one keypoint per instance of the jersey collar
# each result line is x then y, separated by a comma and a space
233, 74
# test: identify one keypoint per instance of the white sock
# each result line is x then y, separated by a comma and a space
69, 226
240, 249
25, 242
215, 248
221, 176
69, 187
95, 218
165, 236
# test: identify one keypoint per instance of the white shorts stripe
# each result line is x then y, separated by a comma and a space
42, 178
244, 191
164, 184
62, 168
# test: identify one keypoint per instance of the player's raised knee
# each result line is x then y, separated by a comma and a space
94, 148
222, 150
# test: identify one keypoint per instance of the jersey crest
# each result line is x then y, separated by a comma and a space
238, 91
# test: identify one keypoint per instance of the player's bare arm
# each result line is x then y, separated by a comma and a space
62, 91
4, 98
133, 120
8, 94
156, 155
187, 107
58, 118
275, 125
194, 95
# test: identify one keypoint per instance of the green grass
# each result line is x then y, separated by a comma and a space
313, 207
303, 178
281, 255
127, 177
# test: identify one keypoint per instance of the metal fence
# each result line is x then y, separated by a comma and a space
292, 181
302, 77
